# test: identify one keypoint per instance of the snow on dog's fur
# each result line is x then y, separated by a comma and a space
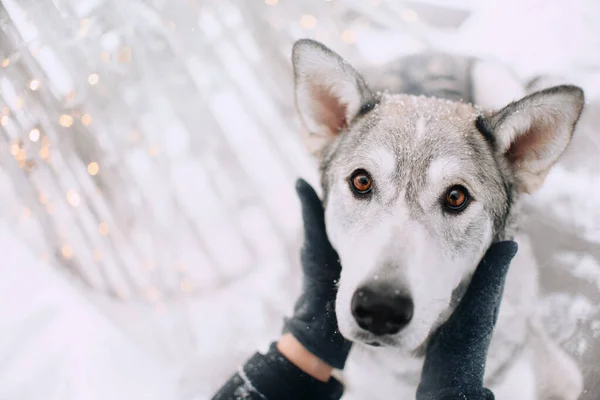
416, 188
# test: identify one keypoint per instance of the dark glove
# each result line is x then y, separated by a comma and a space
314, 323
455, 359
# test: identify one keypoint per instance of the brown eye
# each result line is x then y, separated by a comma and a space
457, 198
361, 182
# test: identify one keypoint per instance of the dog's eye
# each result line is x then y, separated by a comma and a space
456, 198
361, 182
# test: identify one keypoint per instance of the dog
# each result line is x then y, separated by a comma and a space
417, 183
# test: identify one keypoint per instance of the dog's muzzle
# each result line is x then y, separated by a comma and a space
381, 310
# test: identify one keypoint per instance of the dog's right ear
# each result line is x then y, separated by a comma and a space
329, 92
533, 133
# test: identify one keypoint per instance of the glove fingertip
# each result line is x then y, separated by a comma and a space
306, 192
507, 247
503, 252
312, 208
301, 185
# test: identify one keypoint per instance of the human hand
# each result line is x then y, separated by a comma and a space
455, 359
314, 323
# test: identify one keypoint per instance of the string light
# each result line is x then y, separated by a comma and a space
5, 111
21, 155
73, 198
66, 251
45, 152
103, 228
84, 27
134, 136
172, 25
65, 120
26, 213
179, 267
152, 293
153, 151
93, 79
71, 95
97, 255
192, 4
186, 285
34, 135
348, 36
93, 168
409, 15
19, 103
34, 84
50, 208
86, 119
124, 55
121, 293
148, 265
29, 164
308, 21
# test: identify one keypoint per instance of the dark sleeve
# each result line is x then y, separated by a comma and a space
460, 394
272, 377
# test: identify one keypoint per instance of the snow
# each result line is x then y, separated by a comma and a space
56, 345
59, 343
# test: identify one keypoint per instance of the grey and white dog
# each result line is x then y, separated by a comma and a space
417, 184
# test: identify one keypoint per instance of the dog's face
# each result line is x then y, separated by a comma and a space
416, 189
414, 198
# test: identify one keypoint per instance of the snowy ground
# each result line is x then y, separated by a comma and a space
59, 343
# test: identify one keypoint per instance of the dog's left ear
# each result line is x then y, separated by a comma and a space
329, 92
532, 133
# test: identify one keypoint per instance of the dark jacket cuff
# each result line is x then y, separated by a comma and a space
272, 377
457, 394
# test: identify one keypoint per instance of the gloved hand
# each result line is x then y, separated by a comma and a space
314, 322
455, 358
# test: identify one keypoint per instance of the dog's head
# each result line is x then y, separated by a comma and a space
416, 189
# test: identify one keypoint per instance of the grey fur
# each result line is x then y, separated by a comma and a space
402, 139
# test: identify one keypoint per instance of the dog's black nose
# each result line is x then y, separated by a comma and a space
381, 310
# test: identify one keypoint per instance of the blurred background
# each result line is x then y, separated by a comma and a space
149, 228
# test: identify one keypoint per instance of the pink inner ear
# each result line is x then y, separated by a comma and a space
533, 149
331, 112
525, 145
